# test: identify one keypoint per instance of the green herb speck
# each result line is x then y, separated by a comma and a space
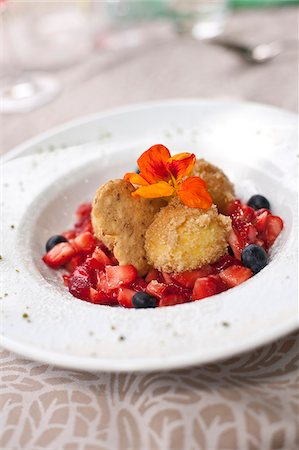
121, 338
25, 316
225, 324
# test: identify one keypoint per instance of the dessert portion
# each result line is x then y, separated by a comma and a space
159, 237
120, 222
182, 238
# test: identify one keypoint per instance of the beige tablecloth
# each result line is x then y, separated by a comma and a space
248, 402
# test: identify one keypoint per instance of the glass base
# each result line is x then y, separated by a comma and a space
27, 92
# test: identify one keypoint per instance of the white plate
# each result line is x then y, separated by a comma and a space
44, 181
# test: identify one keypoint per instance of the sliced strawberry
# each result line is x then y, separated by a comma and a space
101, 298
79, 286
261, 221
94, 264
233, 207
102, 284
80, 282
70, 234
84, 210
84, 242
101, 257
245, 232
235, 275
120, 275
236, 244
273, 229
207, 286
258, 212
125, 296
156, 289
83, 271
247, 213
187, 279
160, 290
242, 234
172, 299
84, 225
76, 261
251, 234
224, 262
153, 274
59, 255
139, 284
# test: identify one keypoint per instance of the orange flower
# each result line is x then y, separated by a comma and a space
163, 175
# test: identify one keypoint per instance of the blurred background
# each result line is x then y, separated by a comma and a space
64, 59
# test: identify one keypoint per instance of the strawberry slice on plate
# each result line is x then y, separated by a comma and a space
101, 298
208, 286
125, 296
101, 257
59, 255
261, 220
102, 285
156, 289
84, 211
235, 275
188, 278
84, 242
79, 286
120, 275
160, 290
273, 228
76, 261
224, 262
172, 299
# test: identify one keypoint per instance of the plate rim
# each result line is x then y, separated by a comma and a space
97, 364
17, 151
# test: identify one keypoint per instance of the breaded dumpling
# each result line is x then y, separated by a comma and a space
219, 186
182, 238
120, 222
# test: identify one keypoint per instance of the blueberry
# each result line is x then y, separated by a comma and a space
258, 202
143, 300
54, 240
254, 257
137, 170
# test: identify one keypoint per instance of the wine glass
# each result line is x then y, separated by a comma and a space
22, 91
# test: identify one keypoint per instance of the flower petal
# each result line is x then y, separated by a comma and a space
193, 192
152, 163
157, 190
181, 165
135, 178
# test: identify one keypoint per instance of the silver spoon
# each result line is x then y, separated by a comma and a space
257, 54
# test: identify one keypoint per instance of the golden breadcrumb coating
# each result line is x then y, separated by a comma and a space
219, 186
182, 238
120, 222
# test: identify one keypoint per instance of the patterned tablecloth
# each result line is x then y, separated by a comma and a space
248, 402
